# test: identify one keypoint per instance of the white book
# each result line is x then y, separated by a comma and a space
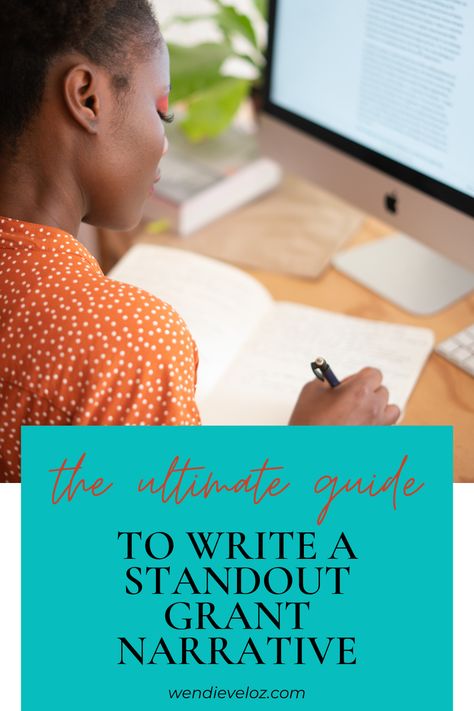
203, 182
255, 353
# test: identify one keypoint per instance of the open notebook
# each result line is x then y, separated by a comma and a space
255, 353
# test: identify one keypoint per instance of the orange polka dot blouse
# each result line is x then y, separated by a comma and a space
77, 348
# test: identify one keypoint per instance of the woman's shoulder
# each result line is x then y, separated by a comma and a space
132, 304
102, 310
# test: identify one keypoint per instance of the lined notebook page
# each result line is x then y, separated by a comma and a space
221, 305
254, 354
264, 382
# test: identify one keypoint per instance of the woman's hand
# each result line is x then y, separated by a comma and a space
360, 399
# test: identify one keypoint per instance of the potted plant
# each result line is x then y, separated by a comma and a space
207, 91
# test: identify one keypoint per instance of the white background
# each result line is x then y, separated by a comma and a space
463, 598
165, 8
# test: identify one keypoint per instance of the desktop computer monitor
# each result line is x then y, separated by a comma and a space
374, 99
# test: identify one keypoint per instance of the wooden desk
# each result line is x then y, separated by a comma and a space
444, 394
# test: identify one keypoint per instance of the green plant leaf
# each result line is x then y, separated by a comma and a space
262, 7
185, 19
212, 111
193, 69
230, 21
257, 61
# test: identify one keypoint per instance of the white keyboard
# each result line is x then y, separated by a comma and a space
459, 349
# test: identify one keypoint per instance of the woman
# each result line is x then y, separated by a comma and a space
85, 87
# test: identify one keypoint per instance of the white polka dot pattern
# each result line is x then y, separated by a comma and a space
77, 348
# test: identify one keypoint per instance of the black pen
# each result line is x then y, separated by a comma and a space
323, 371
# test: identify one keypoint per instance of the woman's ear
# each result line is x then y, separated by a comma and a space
81, 94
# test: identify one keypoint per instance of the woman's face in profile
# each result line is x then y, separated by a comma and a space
131, 147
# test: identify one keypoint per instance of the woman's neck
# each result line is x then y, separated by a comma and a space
38, 192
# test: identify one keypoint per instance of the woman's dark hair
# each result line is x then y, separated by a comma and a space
111, 33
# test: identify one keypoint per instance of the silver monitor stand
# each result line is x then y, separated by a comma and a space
407, 273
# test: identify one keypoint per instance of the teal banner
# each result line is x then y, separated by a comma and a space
304, 568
